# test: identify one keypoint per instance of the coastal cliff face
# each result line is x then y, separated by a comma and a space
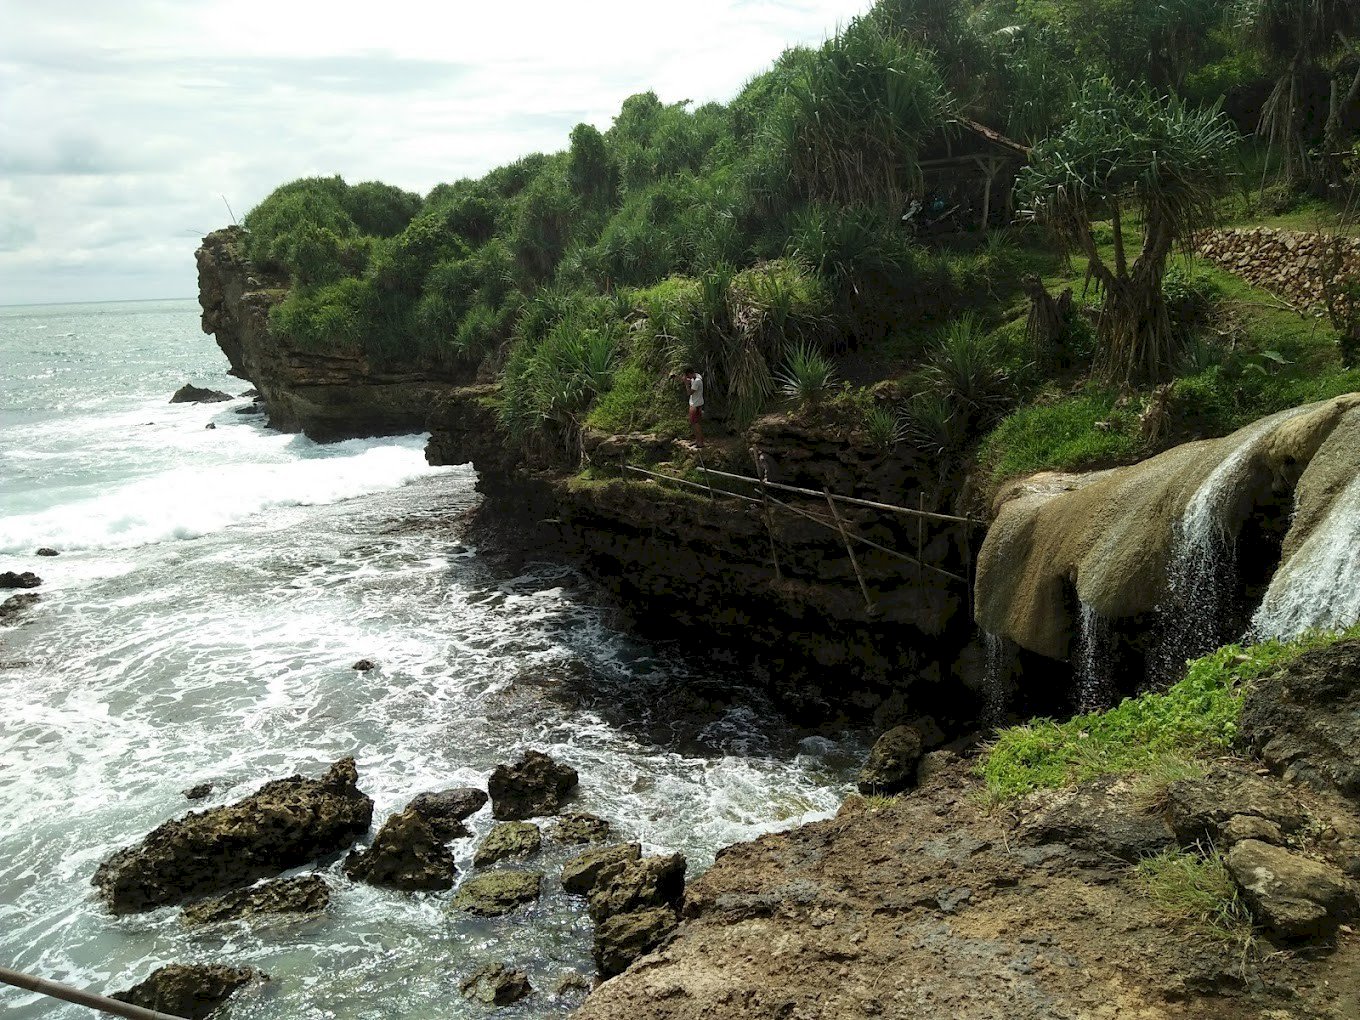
336, 395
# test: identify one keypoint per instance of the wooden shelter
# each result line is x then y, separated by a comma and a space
972, 169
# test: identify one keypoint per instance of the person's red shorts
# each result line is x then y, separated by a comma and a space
696, 415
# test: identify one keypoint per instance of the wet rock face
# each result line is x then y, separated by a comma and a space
406, 854
47, 551
507, 840
1304, 721
16, 606
585, 871
535, 785
499, 892
639, 885
497, 985
191, 394
199, 791
1200, 810
891, 766
284, 824
189, 991
304, 894
626, 937
580, 827
446, 809
1292, 896
28, 579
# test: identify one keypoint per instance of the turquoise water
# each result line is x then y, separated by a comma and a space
213, 589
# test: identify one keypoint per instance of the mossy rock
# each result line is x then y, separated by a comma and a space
499, 892
506, 840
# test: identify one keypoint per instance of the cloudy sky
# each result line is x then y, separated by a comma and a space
123, 125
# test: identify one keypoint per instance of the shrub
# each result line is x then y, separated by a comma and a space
807, 375
884, 427
963, 367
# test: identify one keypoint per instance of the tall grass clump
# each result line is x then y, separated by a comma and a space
1194, 889
807, 375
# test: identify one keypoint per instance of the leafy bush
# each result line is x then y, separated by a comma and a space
884, 427
807, 375
963, 366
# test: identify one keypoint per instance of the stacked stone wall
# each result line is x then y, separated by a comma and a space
1289, 263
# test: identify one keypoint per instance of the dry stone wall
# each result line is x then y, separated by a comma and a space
1285, 262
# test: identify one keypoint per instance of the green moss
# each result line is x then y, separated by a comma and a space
1199, 715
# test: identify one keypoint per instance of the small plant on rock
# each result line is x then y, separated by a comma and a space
807, 375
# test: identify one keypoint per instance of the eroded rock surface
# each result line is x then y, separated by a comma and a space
638, 885
585, 871
284, 824
14, 607
446, 809
580, 827
191, 394
302, 894
26, 579
508, 840
624, 938
496, 985
406, 854
535, 785
891, 766
498, 892
192, 991
1291, 895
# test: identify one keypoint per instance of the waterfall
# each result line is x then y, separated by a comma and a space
1093, 662
1320, 585
997, 680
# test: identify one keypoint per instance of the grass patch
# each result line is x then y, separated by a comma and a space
1068, 434
1149, 735
1194, 889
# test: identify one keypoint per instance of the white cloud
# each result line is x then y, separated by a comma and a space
122, 125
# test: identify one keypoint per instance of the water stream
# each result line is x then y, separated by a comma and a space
1094, 662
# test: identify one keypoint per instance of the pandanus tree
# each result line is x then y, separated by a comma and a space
1153, 167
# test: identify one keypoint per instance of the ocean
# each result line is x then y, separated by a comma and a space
214, 588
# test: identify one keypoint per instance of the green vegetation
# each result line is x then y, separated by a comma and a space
1148, 734
1063, 434
1194, 889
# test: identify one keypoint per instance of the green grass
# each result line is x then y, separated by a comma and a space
640, 402
1144, 735
1061, 436
1193, 888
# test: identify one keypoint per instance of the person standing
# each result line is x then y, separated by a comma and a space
694, 384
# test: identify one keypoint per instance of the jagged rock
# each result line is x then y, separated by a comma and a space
569, 984
189, 990
534, 785
364, 666
285, 823
508, 839
891, 766
446, 809
248, 409
249, 394
191, 394
303, 894
210, 426
1304, 720
406, 854
1101, 818
580, 827
585, 871
28, 579
497, 985
649, 882
16, 605
198, 791
499, 892
935, 763
1240, 827
626, 937
1198, 809
1291, 895
46, 551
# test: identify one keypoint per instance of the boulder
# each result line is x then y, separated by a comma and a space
191, 394
286, 823
571, 984
508, 839
303, 894
189, 990
1198, 810
1292, 896
364, 666
1304, 719
534, 785
210, 426
446, 809
46, 551
639, 885
16, 605
497, 985
626, 937
198, 791
891, 766
580, 827
499, 892
28, 579
585, 871
406, 854
1101, 818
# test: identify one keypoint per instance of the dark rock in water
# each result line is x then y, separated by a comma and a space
627, 937
210, 425
571, 984
248, 409
580, 827
406, 854
304, 894
285, 823
28, 579
1199, 809
585, 871
15, 606
446, 809
508, 839
534, 785
198, 791
249, 394
499, 892
640, 885
497, 985
192, 991
1102, 818
47, 551
891, 766
364, 665
1290, 895
1304, 720
191, 394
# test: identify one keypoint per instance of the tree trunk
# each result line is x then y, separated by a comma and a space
1136, 340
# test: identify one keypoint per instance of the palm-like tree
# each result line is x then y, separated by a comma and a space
1125, 154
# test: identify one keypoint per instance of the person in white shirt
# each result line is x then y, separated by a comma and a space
694, 384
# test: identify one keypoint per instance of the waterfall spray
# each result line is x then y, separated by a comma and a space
996, 689
1093, 662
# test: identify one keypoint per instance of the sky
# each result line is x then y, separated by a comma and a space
128, 128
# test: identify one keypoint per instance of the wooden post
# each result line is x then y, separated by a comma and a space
854, 560
987, 194
81, 998
769, 521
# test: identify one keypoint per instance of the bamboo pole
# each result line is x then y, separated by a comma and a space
693, 485
849, 499
769, 522
854, 560
66, 993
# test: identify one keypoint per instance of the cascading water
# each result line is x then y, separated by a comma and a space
996, 683
1320, 585
1093, 662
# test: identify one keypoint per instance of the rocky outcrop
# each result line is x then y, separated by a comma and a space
498, 892
508, 840
579, 827
496, 985
892, 762
445, 810
638, 885
13, 608
535, 785
284, 824
303, 894
194, 991
406, 854
26, 579
1285, 262
191, 394
1290, 895
621, 940
585, 871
